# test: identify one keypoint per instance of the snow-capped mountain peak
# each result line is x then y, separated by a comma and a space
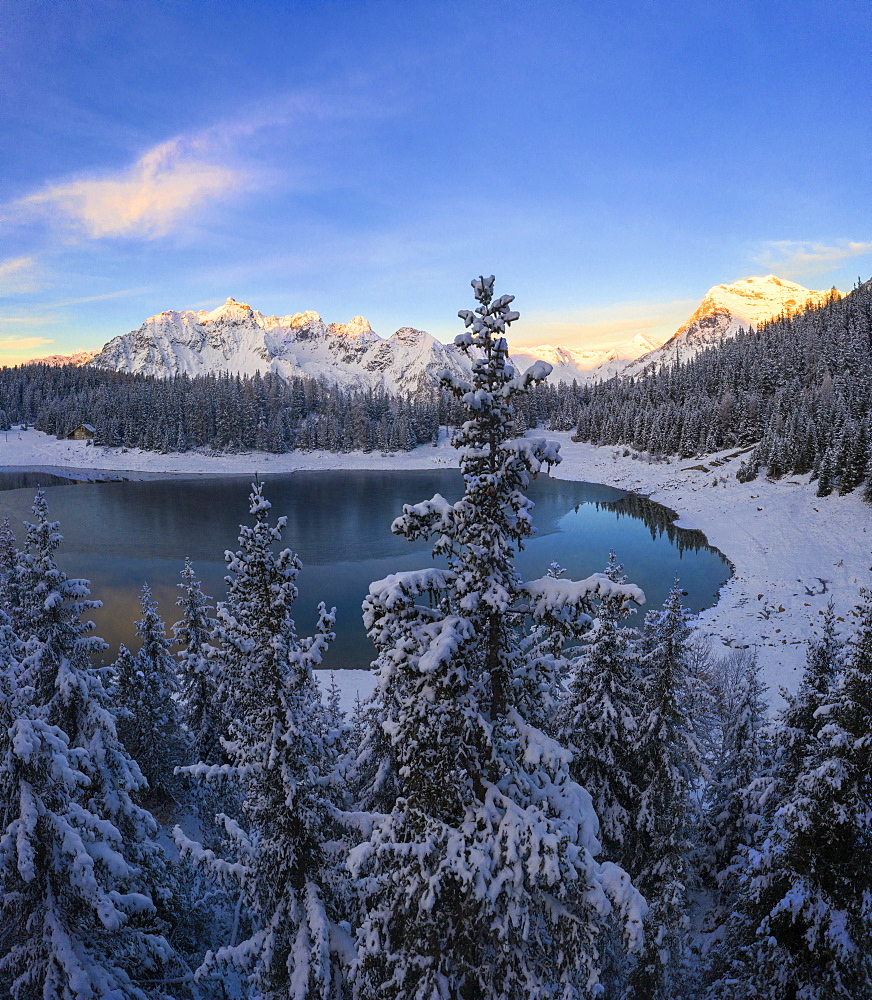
723, 312
57, 360
238, 339
752, 301
356, 327
231, 310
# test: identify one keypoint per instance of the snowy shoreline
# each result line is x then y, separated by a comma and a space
791, 551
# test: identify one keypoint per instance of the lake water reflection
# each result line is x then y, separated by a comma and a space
122, 534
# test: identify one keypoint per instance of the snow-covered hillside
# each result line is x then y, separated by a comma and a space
570, 363
724, 311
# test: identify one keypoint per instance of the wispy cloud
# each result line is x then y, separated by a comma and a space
804, 259
121, 294
34, 320
147, 200
22, 343
19, 276
165, 187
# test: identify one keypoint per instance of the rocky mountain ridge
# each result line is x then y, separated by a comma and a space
238, 339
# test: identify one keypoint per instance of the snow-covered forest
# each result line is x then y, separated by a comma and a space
796, 393
550, 794
220, 412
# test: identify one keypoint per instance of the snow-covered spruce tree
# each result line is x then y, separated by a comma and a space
9, 595
597, 721
208, 906
150, 719
804, 928
733, 969
743, 753
671, 763
279, 756
11, 653
545, 652
201, 696
734, 802
481, 881
334, 716
82, 881
800, 720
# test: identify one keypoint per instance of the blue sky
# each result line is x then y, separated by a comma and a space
609, 162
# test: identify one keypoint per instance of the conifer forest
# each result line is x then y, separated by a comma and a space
550, 795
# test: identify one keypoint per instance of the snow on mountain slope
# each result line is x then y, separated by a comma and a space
586, 366
236, 338
724, 311
576, 363
58, 360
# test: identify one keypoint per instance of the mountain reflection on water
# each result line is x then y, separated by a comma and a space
120, 535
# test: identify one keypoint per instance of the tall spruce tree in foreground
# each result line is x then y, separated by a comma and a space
9, 593
670, 771
82, 881
597, 720
290, 882
481, 881
736, 808
150, 720
733, 815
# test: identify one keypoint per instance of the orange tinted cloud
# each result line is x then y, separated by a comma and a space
21, 343
148, 200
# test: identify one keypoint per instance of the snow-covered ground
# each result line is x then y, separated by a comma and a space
792, 552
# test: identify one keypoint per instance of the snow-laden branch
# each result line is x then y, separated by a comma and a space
400, 589
550, 594
534, 452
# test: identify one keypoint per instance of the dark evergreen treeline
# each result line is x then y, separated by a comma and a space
799, 390
223, 412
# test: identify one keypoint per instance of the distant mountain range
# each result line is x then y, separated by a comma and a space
59, 360
238, 339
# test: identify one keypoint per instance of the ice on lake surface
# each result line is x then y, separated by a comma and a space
120, 535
